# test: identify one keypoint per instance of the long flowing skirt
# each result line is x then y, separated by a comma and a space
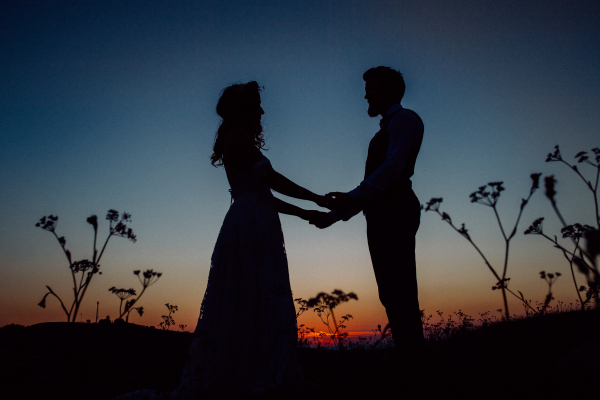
245, 343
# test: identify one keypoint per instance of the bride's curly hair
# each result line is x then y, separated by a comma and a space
236, 108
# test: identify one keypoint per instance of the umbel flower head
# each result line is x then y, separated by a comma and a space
433, 204
148, 278
554, 156
48, 223
331, 300
120, 229
112, 215
576, 231
83, 266
487, 197
535, 228
550, 276
122, 293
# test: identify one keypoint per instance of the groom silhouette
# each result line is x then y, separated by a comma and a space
389, 204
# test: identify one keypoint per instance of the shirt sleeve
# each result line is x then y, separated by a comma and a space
405, 132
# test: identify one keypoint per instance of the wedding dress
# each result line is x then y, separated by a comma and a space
245, 342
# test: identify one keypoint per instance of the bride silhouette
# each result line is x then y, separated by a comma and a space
245, 343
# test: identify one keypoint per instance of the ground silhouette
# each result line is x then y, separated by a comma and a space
550, 357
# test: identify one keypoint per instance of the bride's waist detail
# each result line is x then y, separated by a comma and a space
236, 193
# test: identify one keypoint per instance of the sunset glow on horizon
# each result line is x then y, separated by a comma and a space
112, 106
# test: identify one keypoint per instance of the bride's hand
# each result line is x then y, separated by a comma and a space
320, 219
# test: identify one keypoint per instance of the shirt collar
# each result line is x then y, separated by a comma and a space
392, 109
389, 111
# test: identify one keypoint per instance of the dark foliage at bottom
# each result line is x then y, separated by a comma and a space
88, 361
551, 357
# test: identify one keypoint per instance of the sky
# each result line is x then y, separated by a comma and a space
111, 105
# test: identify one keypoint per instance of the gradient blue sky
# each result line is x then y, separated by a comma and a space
110, 104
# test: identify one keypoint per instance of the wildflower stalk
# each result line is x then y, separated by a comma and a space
168, 320
575, 232
550, 279
324, 304
149, 277
570, 260
464, 232
582, 157
488, 195
585, 260
50, 291
87, 268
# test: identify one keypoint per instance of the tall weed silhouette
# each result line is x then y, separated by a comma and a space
86, 268
488, 195
168, 320
149, 277
582, 258
324, 304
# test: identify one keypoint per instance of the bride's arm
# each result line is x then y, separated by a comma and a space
241, 151
290, 209
283, 185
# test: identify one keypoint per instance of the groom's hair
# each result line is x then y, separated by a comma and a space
387, 77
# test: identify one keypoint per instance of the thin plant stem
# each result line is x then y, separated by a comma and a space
560, 217
503, 287
61, 303
499, 222
593, 189
596, 198
104, 247
487, 263
574, 280
87, 283
94, 249
68, 259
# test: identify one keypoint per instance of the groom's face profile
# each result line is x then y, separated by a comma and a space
376, 96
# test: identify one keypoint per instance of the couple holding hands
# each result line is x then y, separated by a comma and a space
245, 343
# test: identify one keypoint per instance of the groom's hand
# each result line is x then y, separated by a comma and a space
324, 201
340, 201
321, 220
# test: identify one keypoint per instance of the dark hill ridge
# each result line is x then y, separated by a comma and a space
88, 361
551, 357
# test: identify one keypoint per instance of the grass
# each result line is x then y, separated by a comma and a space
552, 356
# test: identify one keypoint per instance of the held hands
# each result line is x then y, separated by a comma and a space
335, 201
323, 201
319, 219
339, 201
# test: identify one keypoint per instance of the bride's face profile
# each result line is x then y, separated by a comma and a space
257, 111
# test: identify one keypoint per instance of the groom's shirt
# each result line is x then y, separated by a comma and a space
405, 136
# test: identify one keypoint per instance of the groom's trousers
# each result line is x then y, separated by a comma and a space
392, 224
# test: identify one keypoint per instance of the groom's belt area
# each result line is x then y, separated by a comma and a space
404, 186
394, 196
